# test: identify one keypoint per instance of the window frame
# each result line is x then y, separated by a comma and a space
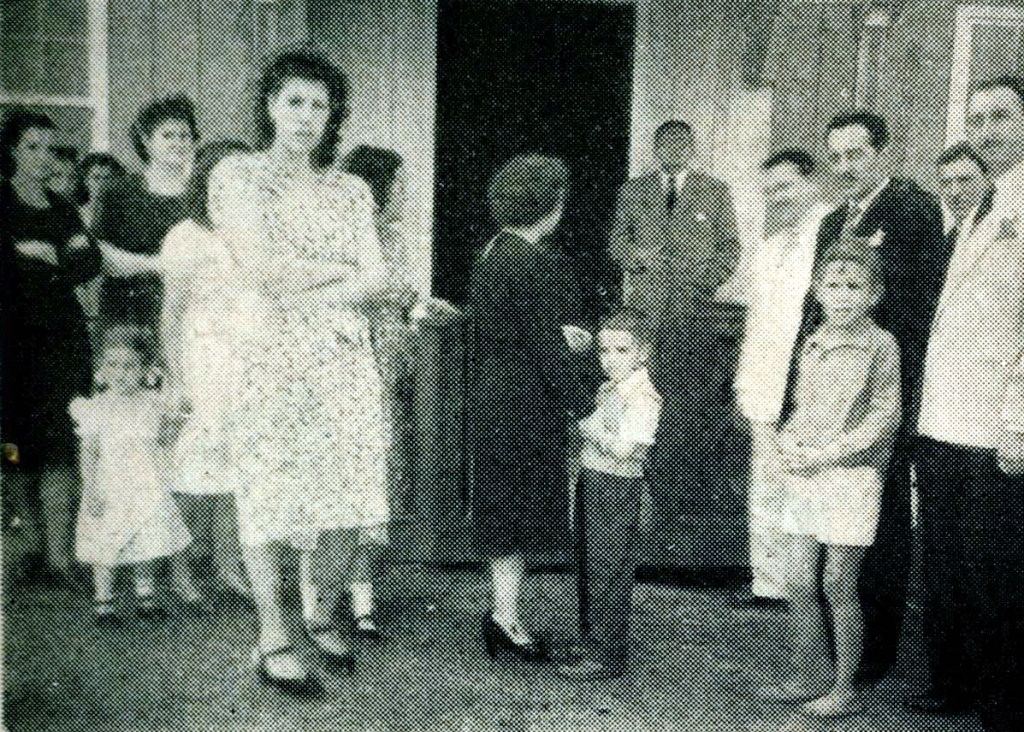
97, 99
969, 17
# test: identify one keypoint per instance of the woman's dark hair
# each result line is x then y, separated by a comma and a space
154, 114
196, 193
85, 166
377, 166
526, 189
312, 67
16, 123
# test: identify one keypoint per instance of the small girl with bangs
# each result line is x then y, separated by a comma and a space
127, 516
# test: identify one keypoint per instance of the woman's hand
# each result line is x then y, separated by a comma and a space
42, 251
95, 505
78, 242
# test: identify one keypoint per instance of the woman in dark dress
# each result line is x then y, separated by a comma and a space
46, 360
135, 215
524, 387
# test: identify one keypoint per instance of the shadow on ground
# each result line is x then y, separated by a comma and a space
696, 662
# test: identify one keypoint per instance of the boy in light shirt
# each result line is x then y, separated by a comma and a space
612, 496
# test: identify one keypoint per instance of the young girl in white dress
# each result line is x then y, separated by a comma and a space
201, 310
127, 516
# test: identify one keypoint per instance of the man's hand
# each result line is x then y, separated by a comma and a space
42, 251
578, 339
79, 242
1011, 453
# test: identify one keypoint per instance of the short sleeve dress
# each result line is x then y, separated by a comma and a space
139, 521
195, 258
309, 431
132, 218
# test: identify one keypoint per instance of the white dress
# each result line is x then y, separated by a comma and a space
309, 433
194, 258
139, 520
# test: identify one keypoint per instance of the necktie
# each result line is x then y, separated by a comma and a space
670, 195
951, 236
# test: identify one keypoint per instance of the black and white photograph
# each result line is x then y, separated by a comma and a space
512, 365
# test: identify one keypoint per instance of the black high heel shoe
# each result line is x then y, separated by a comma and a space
307, 686
337, 661
496, 640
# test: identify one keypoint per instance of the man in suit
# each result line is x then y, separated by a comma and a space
971, 424
967, 198
675, 241
905, 223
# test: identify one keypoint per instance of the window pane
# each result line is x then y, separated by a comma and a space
995, 50
21, 63
65, 18
67, 69
20, 18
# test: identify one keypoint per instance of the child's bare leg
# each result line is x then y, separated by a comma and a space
145, 592
806, 628
103, 582
842, 571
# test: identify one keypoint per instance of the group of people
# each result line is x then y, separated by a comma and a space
250, 380
844, 430
218, 347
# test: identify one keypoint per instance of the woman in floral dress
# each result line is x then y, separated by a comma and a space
309, 429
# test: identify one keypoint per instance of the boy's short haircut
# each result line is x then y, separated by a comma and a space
629, 320
856, 250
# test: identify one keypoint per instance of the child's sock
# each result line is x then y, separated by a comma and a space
362, 599
145, 587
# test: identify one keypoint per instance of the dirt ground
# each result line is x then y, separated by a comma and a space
695, 663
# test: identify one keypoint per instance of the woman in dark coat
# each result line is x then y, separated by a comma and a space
44, 255
524, 388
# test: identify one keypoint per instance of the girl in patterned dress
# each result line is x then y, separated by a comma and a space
127, 516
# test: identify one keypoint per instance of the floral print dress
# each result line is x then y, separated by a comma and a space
308, 428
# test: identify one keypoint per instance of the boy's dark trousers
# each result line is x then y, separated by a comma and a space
607, 526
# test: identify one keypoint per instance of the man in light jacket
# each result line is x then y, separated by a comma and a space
971, 422
785, 260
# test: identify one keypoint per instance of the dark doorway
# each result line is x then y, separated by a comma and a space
529, 76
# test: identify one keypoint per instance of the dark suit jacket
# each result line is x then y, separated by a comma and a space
914, 262
672, 258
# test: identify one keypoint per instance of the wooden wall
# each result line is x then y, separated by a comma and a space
389, 50
208, 49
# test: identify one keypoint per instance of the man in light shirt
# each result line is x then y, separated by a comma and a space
971, 448
785, 260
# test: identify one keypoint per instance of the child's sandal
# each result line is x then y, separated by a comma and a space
104, 615
148, 610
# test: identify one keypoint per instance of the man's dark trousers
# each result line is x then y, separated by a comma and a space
972, 520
